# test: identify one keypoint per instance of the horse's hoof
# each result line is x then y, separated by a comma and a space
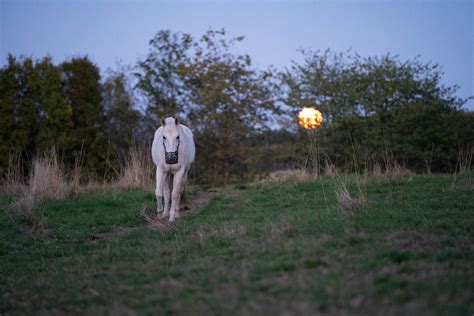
161, 215
173, 217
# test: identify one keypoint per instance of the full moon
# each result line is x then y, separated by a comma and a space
310, 118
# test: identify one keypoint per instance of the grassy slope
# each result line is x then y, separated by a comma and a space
270, 249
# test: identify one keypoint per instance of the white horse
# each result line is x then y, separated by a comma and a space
173, 152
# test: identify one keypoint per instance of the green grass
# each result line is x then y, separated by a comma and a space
269, 249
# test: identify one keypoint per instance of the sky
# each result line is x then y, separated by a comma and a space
111, 31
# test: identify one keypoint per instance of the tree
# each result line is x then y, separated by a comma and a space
55, 114
82, 90
160, 78
325, 80
231, 101
122, 119
219, 93
19, 108
35, 116
379, 108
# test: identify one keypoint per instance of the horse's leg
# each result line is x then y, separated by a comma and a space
160, 177
178, 184
167, 193
183, 199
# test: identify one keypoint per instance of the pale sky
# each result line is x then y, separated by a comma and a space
439, 31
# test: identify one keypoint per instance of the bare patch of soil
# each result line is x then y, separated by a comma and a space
196, 202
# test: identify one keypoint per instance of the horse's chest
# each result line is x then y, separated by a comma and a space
171, 168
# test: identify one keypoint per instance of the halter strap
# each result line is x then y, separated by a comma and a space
177, 147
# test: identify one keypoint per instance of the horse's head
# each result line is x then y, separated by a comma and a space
170, 139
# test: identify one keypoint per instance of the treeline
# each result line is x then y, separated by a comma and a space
66, 108
243, 118
380, 109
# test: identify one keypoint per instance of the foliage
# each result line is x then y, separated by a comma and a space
82, 90
380, 108
35, 115
122, 119
45, 106
19, 125
160, 74
221, 96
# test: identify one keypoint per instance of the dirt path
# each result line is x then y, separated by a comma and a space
153, 221
200, 199
187, 207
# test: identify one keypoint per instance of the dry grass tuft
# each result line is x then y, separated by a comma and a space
138, 169
375, 171
145, 213
348, 203
299, 175
399, 173
32, 222
76, 175
464, 163
13, 183
394, 173
329, 169
47, 181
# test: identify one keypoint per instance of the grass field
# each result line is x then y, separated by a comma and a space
257, 249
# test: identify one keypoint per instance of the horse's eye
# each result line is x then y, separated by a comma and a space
177, 137
164, 137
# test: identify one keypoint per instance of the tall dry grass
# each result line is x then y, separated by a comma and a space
138, 169
298, 175
464, 163
392, 173
349, 203
46, 181
329, 169
13, 183
76, 174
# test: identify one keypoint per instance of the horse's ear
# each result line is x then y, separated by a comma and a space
162, 121
176, 121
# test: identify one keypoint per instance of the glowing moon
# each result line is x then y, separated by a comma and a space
310, 118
